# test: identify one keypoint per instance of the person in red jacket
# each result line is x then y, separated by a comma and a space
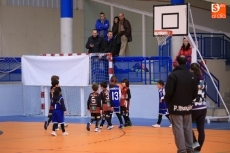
185, 50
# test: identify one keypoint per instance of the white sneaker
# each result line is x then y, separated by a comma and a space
195, 145
65, 133
53, 133
110, 127
170, 125
96, 130
101, 127
156, 125
65, 125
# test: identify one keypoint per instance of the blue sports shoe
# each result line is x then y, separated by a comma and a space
121, 126
88, 126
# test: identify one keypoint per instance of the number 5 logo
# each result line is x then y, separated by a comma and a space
215, 8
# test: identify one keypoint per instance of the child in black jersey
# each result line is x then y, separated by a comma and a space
106, 106
94, 106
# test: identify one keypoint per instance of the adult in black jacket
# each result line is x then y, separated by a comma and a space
94, 43
108, 44
181, 88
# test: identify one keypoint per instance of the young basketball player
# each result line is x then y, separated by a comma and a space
54, 83
94, 106
115, 97
125, 100
58, 111
106, 106
163, 108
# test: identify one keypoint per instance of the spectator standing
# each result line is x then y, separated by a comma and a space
125, 32
116, 36
102, 25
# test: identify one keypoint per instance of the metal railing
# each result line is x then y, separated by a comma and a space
135, 69
146, 70
213, 45
160, 67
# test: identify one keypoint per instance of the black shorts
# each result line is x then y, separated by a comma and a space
106, 114
96, 116
123, 110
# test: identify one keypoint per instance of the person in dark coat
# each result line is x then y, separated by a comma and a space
94, 43
108, 44
181, 89
125, 32
116, 36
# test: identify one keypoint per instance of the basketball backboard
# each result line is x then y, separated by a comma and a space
171, 17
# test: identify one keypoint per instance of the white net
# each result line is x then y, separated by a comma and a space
31, 98
162, 36
99, 68
7, 64
72, 98
87, 91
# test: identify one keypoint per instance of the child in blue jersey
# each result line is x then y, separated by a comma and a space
58, 111
115, 97
199, 108
54, 84
94, 106
163, 108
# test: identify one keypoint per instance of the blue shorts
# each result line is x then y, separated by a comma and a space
163, 108
58, 116
116, 109
163, 112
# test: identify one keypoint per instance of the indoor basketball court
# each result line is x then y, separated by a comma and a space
25, 134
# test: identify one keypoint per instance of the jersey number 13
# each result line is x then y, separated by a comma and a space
115, 95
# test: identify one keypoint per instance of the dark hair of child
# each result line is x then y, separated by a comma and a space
104, 84
160, 82
95, 87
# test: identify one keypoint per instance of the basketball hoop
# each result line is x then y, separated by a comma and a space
162, 36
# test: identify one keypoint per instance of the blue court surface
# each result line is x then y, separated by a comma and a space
215, 125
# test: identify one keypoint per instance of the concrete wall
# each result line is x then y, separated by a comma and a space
30, 30
11, 99
219, 69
